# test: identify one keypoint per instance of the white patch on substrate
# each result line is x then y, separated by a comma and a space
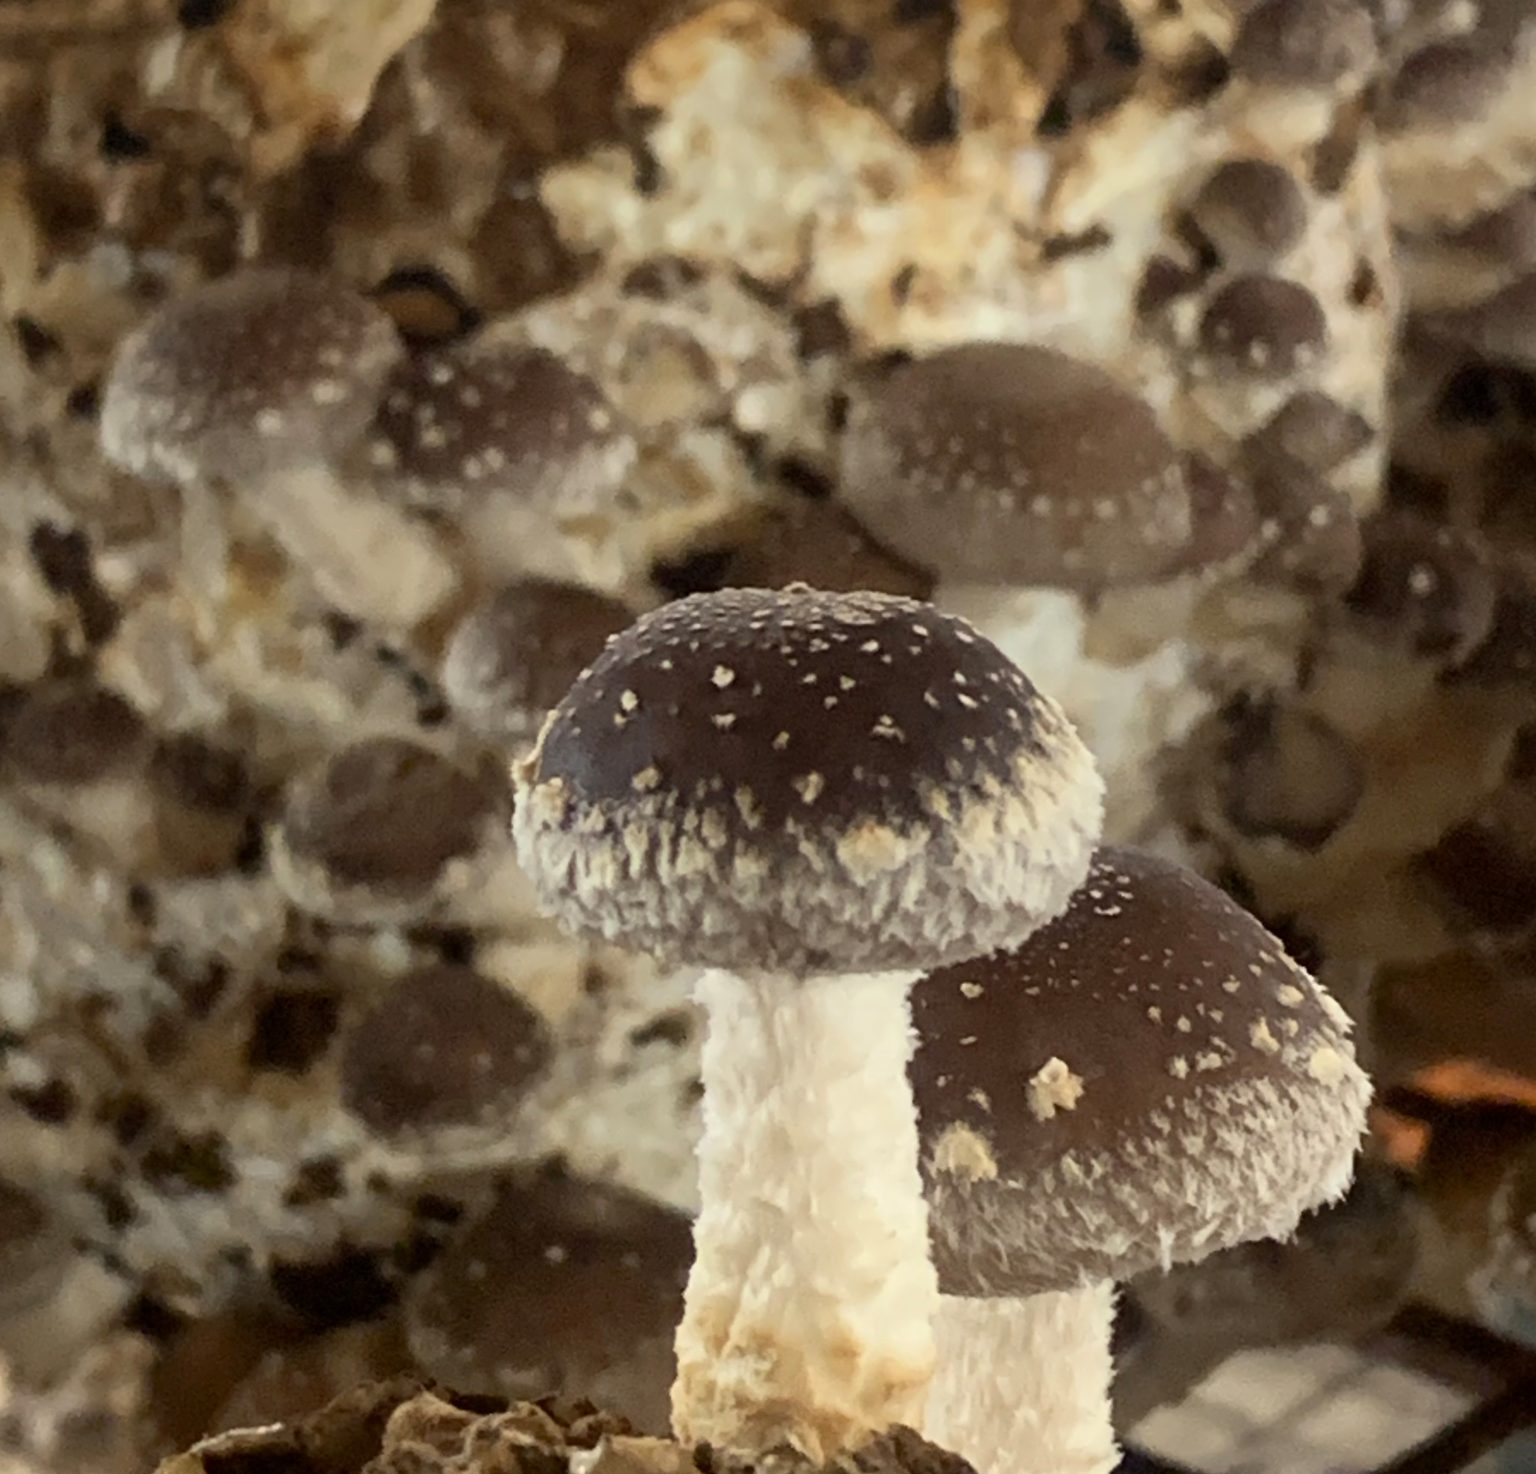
808, 1314
1022, 1386
1125, 714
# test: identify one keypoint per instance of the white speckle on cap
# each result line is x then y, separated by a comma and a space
1327, 1065
1262, 1037
722, 676
646, 780
629, 701
1054, 1088
1178, 1067
979, 1097
809, 787
270, 422
1289, 996
962, 1152
971, 990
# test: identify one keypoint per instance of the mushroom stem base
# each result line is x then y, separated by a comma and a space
809, 1308
1022, 1386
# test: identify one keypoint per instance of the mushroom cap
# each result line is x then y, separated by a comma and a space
1224, 518
492, 418
1424, 589
1015, 464
1304, 43
817, 542
1501, 327
1250, 211
561, 1285
387, 814
443, 1047
1510, 1272
1313, 535
1147, 1079
1310, 430
1447, 82
1264, 327
34, 1250
515, 654
1506, 235
74, 732
799, 780
1287, 774
264, 369
1506, 652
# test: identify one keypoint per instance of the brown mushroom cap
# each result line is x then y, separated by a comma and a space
490, 418
263, 369
1424, 589
1287, 774
1506, 235
802, 780
74, 732
1304, 43
1014, 464
1313, 535
515, 654
1263, 326
1250, 211
387, 814
561, 1286
1448, 82
1506, 653
443, 1047
34, 1250
1501, 327
1147, 1079
1310, 430
819, 543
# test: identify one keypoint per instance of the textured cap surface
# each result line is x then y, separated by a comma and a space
1015, 464
795, 779
501, 418
1147, 1079
258, 371
514, 655
560, 1286
443, 1047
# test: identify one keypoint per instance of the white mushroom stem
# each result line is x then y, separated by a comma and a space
1022, 1386
809, 1310
366, 556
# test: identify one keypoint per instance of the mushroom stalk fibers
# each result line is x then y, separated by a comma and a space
808, 1317
1022, 1386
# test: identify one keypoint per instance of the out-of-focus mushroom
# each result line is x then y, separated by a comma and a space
1311, 44
1263, 327
263, 381
1010, 464
801, 540
1506, 653
515, 654
813, 795
1505, 1285
1250, 211
564, 1286
1425, 590
1483, 871
1186, 1086
1311, 430
1310, 534
1447, 83
34, 1251
1500, 327
1286, 774
382, 829
443, 1048
526, 452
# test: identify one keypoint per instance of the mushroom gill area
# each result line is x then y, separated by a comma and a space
364, 367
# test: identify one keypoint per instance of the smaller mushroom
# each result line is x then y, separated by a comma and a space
1501, 327
1310, 534
514, 654
1310, 430
262, 382
444, 1048
1445, 84
1263, 327
384, 830
1250, 212
526, 453
806, 540
1304, 44
561, 1285
1506, 655
1424, 590
1286, 774
1147, 1079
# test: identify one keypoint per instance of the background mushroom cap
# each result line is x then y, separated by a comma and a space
1263, 327
1304, 43
560, 1286
492, 418
443, 1047
259, 370
1011, 463
1501, 327
515, 654
1452, 81
73, 732
1250, 211
804, 780
1312, 430
34, 1250
1147, 1079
